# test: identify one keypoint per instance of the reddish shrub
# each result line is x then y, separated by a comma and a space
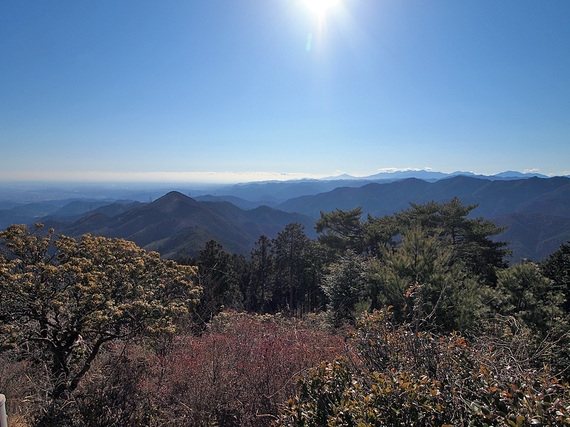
239, 372
241, 369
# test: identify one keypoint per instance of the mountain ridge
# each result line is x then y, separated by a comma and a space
541, 205
175, 224
493, 197
274, 193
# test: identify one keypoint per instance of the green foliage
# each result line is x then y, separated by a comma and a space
341, 230
470, 238
298, 271
379, 234
259, 291
537, 306
218, 278
400, 377
557, 269
283, 275
61, 300
425, 285
440, 273
530, 297
344, 287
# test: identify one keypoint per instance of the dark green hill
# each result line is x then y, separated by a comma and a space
176, 224
495, 198
237, 201
534, 236
542, 205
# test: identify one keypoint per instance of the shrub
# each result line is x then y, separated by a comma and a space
242, 368
238, 372
396, 377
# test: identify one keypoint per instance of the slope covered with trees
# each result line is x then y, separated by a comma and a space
536, 204
494, 198
177, 224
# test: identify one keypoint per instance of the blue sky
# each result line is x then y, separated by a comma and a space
254, 89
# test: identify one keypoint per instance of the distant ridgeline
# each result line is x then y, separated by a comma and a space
536, 211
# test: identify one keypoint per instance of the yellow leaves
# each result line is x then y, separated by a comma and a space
95, 280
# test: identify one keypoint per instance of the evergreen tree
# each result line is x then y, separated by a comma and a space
379, 234
557, 268
219, 282
426, 287
341, 230
344, 287
259, 293
470, 238
297, 274
523, 292
537, 307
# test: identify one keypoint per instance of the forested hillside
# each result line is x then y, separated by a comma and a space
411, 318
274, 192
494, 197
176, 224
537, 204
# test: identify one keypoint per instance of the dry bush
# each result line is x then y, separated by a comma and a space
21, 383
242, 369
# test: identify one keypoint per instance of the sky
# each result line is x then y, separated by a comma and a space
243, 90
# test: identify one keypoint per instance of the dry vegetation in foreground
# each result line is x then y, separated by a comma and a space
240, 371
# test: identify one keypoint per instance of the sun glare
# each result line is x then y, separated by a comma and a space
320, 7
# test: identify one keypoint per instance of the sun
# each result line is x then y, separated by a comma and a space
321, 7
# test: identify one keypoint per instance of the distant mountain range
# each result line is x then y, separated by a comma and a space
273, 193
495, 198
428, 175
62, 210
536, 209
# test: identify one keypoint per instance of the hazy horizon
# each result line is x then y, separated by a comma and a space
206, 180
